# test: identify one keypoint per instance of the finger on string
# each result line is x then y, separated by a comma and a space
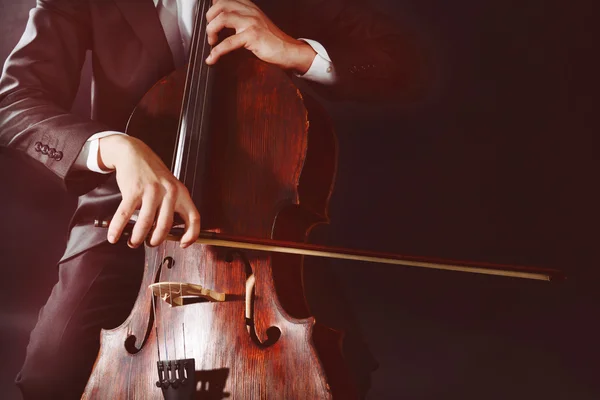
231, 20
145, 219
226, 46
118, 222
164, 220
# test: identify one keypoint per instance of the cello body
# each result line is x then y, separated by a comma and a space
266, 171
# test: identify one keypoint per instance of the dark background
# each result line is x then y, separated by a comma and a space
498, 164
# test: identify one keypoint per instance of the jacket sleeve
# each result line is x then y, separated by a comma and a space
38, 86
375, 58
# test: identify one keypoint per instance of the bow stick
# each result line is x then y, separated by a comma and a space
314, 250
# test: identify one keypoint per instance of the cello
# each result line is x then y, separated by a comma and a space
259, 159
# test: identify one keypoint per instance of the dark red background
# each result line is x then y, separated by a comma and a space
499, 164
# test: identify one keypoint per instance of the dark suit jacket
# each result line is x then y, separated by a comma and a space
373, 59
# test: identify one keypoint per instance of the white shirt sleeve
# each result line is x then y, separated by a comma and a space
88, 156
322, 69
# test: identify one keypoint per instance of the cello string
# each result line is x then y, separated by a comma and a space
172, 310
154, 306
182, 311
190, 83
199, 24
155, 324
203, 115
177, 310
162, 314
181, 136
185, 108
195, 80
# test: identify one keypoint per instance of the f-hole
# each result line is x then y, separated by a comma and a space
273, 332
131, 339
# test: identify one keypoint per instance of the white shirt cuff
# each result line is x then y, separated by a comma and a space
88, 157
321, 70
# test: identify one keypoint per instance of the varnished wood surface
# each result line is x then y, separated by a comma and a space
257, 180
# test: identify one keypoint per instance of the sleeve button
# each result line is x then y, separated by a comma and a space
58, 155
51, 152
45, 149
38, 146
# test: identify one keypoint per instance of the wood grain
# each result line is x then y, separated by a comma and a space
269, 174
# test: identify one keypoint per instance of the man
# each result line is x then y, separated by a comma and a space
350, 54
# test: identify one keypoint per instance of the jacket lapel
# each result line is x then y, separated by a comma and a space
143, 18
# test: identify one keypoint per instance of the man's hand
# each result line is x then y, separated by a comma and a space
255, 32
146, 182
